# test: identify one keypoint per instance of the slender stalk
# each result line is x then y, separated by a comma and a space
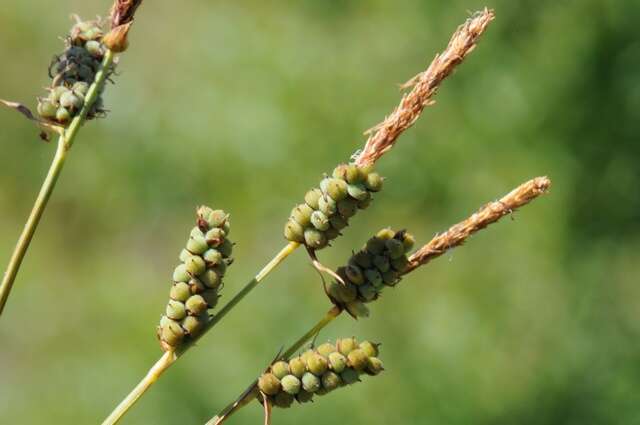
171, 357
250, 393
167, 359
64, 144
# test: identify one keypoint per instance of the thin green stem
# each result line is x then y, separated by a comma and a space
250, 393
169, 358
64, 144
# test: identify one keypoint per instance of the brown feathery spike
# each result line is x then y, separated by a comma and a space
490, 213
122, 12
425, 85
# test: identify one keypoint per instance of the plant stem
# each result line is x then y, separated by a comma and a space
167, 359
250, 393
170, 357
65, 142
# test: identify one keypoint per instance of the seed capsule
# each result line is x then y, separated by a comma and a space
94, 48
374, 277
315, 239
358, 192
180, 292
395, 248
297, 367
385, 234
400, 264
363, 259
195, 265
367, 292
390, 278
327, 205
196, 286
226, 248
172, 333
63, 115
211, 297
212, 257
197, 245
330, 380
283, 400
215, 237
196, 305
374, 366
338, 222
342, 293
349, 376
347, 207
175, 310
210, 278
374, 182
216, 218
293, 231
382, 263
358, 359
354, 274
357, 309
408, 242
331, 234
326, 349
317, 364
310, 382
312, 197
302, 214
337, 361
180, 274
369, 348
291, 384
269, 384
192, 325
280, 369
304, 396
363, 205
320, 221
336, 189
346, 345
47, 109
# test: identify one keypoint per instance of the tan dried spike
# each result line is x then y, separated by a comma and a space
425, 85
490, 213
122, 12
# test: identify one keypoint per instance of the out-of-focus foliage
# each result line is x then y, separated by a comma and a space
242, 105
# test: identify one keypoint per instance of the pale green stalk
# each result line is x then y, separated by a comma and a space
170, 357
65, 141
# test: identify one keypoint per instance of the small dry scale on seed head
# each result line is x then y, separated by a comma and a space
198, 279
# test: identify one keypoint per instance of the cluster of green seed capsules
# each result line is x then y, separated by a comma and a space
72, 73
327, 209
319, 371
381, 262
198, 279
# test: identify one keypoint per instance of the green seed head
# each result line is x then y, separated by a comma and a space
320, 221
283, 400
358, 359
302, 214
326, 349
354, 274
180, 274
291, 384
317, 364
280, 369
192, 325
374, 277
374, 366
367, 292
337, 361
336, 189
357, 309
305, 356
293, 231
382, 263
358, 192
269, 384
195, 265
311, 198
315, 239
363, 259
171, 333
47, 109
349, 376
297, 367
342, 293
176, 310
347, 207
346, 345
197, 245
369, 348
340, 172
215, 236
310, 382
374, 182
212, 257
180, 292
327, 205
330, 381
196, 305
395, 248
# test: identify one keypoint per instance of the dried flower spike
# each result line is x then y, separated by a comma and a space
327, 209
319, 371
197, 280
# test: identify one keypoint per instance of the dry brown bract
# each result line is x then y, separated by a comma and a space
487, 215
425, 85
122, 12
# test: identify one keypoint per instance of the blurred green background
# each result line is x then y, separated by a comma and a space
243, 105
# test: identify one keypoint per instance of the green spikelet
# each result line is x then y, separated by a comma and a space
72, 72
319, 371
381, 262
197, 280
327, 209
